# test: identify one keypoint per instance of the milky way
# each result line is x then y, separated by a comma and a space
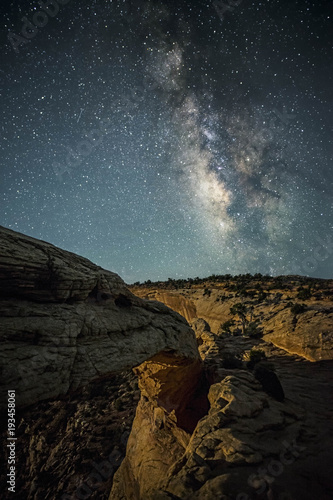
171, 139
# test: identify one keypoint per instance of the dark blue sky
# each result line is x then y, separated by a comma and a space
170, 139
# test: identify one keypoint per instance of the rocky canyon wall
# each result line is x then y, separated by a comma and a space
309, 334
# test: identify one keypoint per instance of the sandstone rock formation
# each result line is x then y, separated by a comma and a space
205, 338
175, 300
309, 334
255, 441
248, 446
166, 416
206, 425
66, 321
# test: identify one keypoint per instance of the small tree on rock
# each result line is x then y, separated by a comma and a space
240, 310
226, 327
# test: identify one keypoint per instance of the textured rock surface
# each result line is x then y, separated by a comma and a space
310, 334
69, 447
176, 300
66, 321
173, 399
248, 446
205, 338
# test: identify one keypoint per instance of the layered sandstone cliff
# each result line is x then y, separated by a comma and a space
309, 334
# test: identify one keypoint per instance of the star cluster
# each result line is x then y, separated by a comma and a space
169, 139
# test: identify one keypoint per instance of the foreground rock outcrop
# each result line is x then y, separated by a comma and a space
65, 324
66, 321
250, 445
162, 426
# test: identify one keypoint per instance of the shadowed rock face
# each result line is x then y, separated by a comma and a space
63, 443
269, 382
66, 321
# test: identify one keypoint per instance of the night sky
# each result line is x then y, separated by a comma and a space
171, 138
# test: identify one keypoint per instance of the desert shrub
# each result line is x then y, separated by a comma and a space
253, 330
261, 296
240, 309
255, 356
304, 293
257, 276
298, 308
277, 298
226, 326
